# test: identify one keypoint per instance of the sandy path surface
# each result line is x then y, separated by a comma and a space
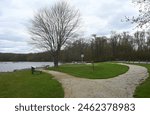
122, 86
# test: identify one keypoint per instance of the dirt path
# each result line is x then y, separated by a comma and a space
122, 86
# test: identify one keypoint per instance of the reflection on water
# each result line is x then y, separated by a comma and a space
11, 66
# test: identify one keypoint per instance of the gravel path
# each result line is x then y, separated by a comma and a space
122, 86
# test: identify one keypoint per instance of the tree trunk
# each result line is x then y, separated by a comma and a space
55, 62
56, 59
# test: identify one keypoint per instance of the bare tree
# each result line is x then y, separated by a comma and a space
52, 27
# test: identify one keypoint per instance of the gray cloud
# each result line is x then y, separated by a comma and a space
98, 17
8, 46
16, 47
101, 17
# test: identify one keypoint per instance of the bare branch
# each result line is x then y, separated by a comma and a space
143, 19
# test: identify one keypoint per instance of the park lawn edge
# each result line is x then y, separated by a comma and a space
104, 76
142, 90
22, 84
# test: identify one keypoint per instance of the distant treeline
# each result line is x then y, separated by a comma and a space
44, 56
118, 47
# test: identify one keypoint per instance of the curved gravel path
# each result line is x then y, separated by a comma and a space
122, 86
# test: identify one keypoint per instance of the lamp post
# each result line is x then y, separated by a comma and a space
82, 56
92, 50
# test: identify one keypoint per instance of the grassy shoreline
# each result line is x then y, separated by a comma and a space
22, 84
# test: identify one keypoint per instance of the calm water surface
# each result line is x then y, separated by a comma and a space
11, 66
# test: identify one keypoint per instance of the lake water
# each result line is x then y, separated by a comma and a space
11, 66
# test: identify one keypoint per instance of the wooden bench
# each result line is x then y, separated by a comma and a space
33, 70
46, 66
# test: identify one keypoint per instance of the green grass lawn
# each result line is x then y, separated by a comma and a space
22, 84
101, 70
143, 90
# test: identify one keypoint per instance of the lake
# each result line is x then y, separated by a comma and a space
11, 66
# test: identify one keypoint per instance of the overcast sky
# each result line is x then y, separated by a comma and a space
98, 17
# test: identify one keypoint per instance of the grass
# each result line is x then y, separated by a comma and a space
22, 84
101, 70
143, 90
